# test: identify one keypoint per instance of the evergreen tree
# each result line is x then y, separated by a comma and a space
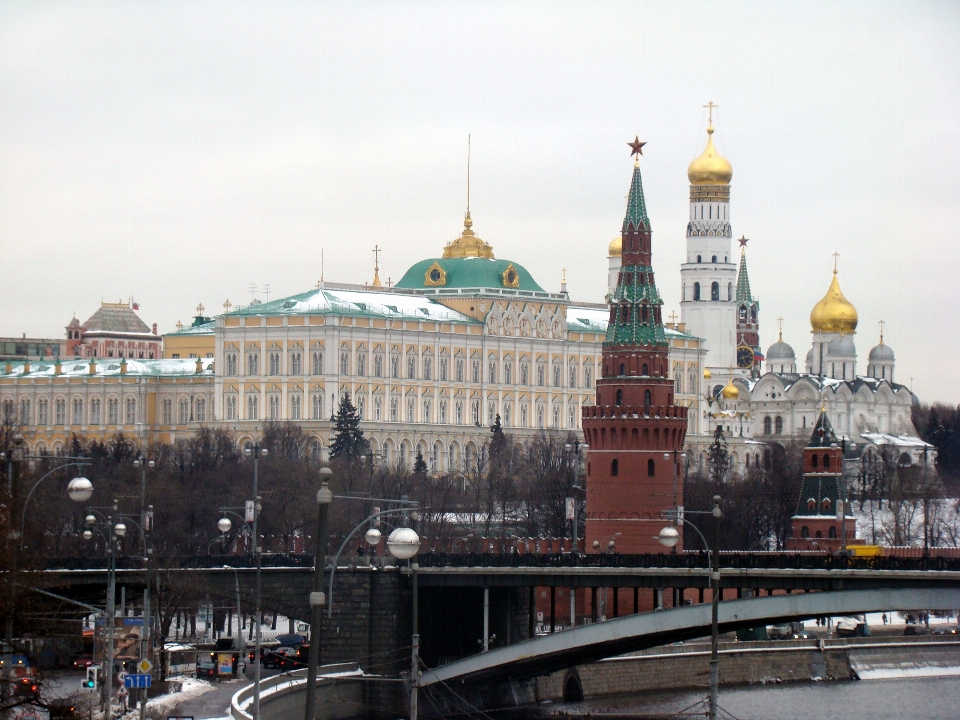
348, 441
419, 465
718, 457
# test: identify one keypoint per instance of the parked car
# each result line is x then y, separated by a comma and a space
286, 658
916, 630
206, 669
945, 630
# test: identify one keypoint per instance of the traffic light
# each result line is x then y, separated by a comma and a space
89, 684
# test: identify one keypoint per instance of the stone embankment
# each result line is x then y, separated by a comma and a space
682, 667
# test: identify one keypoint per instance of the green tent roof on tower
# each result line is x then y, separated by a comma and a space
636, 216
743, 281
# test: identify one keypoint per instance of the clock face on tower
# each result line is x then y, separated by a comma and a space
744, 356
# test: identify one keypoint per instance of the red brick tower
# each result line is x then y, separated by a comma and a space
635, 431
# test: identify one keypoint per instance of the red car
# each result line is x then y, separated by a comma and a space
83, 662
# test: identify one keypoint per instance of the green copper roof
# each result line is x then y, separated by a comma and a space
469, 272
823, 434
743, 282
198, 328
818, 488
636, 216
636, 303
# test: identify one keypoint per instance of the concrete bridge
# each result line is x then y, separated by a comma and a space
596, 641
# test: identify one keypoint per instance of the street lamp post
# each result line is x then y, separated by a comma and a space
256, 451
669, 538
146, 522
317, 598
403, 544
576, 446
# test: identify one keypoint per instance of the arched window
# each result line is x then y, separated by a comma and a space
615, 467
651, 468
804, 532
819, 534
713, 259
619, 397
729, 291
715, 291
646, 369
778, 425
696, 286
647, 397
826, 461
816, 460
698, 260
767, 426
623, 369
832, 534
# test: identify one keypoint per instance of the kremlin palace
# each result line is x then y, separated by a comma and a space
464, 337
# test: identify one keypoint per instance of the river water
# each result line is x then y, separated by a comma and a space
887, 699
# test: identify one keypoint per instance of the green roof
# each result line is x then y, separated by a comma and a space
204, 328
469, 272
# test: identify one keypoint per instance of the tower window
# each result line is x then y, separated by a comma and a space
615, 467
713, 259
779, 424
651, 468
623, 369
619, 397
646, 370
698, 259
715, 291
804, 532
647, 397
833, 533
816, 461
729, 291
826, 461
696, 286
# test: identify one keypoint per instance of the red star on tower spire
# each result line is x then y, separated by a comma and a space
636, 146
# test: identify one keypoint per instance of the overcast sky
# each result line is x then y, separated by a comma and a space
178, 152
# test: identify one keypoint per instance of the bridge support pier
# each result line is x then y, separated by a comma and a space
486, 619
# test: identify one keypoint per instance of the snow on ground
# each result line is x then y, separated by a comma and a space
163, 706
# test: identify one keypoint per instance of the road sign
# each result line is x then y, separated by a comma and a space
121, 676
137, 680
132, 621
144, 666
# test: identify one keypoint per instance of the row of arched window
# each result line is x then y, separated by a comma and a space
714, 292
773, 425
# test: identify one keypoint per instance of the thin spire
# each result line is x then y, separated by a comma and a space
711, 106
881, 331
468, 174
376, 266
743, 277
780, 322
636, 217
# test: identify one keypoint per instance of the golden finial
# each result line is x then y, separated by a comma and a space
200, 309
179, 325
227, 305
836, 255
673, 317
780, 322
881, 332
563, 279
376, 266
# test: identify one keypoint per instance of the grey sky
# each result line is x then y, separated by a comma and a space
176, 152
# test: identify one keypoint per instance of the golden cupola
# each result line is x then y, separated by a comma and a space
834, 313
711, 168
615, 248
468, 244
730, 391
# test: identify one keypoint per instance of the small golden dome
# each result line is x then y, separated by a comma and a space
707, 374
834, 313
615, 248
711, 168
730, 391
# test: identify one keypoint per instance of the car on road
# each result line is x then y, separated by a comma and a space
83, 662
206, 669
916, 630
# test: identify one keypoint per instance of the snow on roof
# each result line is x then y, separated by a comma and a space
108, 367
354, 302
582, 318
897, 440
116, 318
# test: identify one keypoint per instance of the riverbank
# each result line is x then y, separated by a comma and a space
686, 666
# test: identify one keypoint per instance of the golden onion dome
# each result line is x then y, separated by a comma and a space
615, 248
711, 168
707, 374
834, 313
730, 391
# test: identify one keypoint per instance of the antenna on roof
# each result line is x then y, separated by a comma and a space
321, 268
253, 291
266, 291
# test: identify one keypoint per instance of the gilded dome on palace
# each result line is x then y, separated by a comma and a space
615, 248
711, 168
834, 313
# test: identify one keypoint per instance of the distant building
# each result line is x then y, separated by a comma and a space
113, 331
24, 348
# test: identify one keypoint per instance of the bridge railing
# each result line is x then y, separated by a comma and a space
684, 560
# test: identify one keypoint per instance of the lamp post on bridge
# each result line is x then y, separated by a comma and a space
256, 451
669, 537
317, 598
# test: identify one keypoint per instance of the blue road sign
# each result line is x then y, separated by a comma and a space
133, 621
137, 680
